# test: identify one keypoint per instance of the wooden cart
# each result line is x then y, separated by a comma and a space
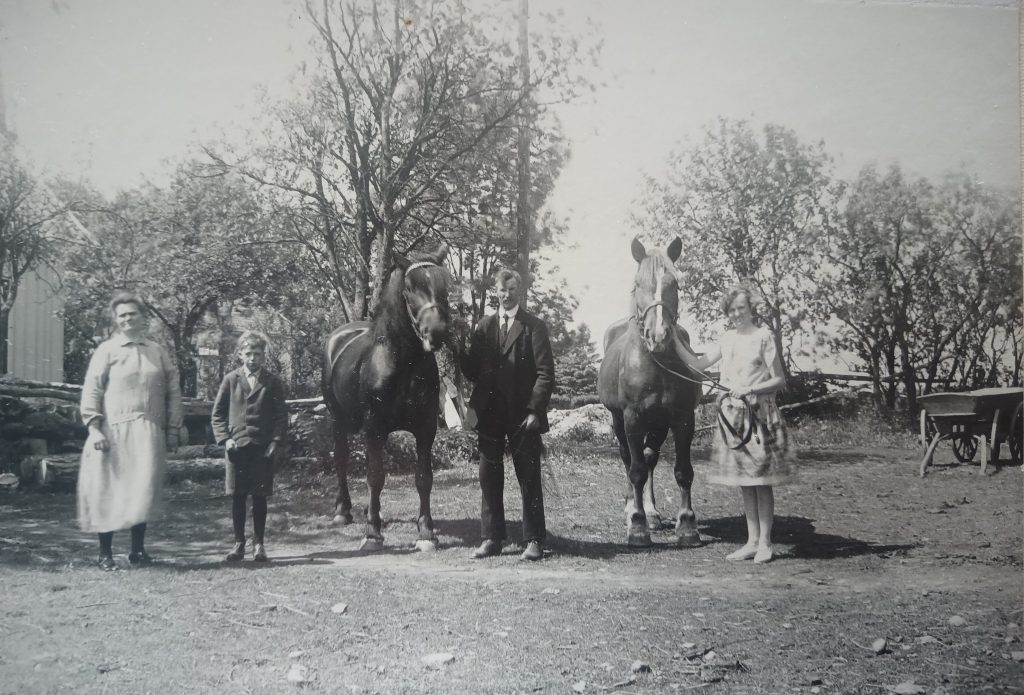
973, 420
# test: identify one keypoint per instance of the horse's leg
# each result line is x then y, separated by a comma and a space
652, 449
686, 520
374, 539
619, 427
426, 541
342, 503
636, 521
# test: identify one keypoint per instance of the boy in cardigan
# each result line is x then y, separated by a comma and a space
250, 419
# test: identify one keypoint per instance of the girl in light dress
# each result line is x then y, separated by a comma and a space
752, 371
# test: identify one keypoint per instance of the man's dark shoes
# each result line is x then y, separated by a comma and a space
259, 554
237, 552
106, 563
534, 551
488, 548
140, 558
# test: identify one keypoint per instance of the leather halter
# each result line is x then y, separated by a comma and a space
641, 316
415, 318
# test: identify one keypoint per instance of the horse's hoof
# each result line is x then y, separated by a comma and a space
637, 535
372, 543
689, 540
426, 546
653, 521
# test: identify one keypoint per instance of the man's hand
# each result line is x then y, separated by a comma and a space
230, 445
531, 423
271, 449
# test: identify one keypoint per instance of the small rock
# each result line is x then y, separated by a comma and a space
296, 654
579, 686
640, 667
957, 621
879, 645
689, 645
550, 590
925, 639
299, 674
437, 660
788, 626
710, 656
339, 608
1017, 656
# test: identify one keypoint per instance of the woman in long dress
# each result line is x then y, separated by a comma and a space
131, 403
752, 371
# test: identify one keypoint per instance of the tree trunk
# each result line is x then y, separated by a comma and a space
524, 216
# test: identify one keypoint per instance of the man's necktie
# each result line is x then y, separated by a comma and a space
504, 328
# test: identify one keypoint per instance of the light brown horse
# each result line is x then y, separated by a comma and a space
645, 399
381, 376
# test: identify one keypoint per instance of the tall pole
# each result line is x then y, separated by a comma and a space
524, 219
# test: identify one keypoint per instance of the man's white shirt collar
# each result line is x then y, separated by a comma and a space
511, 313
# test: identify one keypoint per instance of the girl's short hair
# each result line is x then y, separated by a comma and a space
253, 339
125, 297
753, 299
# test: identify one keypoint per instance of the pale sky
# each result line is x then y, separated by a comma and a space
108, 90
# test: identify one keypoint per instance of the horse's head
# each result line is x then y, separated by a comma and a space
656, 294
426, 297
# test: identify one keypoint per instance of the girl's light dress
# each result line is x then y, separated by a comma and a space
766, 458
132, 386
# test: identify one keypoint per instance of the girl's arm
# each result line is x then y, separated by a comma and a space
691, 360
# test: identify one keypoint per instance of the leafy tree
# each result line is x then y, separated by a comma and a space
405, 133
748, 207
186, 249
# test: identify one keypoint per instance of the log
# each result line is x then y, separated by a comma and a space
59, 471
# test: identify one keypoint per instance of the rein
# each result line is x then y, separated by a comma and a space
746, 433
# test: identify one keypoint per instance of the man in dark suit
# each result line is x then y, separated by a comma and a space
510, 362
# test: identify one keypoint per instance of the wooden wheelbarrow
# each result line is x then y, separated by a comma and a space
973, 420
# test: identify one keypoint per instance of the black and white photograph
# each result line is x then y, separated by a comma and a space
511, 347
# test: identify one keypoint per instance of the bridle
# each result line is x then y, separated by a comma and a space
415, 318
640, 316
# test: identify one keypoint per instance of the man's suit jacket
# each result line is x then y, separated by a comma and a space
256, 416
511, 379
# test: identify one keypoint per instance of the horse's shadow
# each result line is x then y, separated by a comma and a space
795, 531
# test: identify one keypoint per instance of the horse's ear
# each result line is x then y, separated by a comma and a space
400, 260
638, 250
440, 254
674, 249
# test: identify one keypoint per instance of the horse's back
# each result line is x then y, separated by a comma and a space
344, 352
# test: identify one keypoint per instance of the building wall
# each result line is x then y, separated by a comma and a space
35, 330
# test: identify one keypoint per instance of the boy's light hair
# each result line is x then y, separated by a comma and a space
253, 339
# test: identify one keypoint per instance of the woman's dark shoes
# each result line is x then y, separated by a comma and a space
259, 553
140, 558
237, 552
106, 563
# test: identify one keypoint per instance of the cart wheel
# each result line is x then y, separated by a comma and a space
1015, 437
964, 448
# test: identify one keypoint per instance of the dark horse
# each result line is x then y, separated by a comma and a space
381, 376
645, 399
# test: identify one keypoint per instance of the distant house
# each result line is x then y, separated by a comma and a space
35, 329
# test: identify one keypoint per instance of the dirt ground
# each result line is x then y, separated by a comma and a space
866, 551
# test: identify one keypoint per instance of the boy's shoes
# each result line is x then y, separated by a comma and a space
106, 563
140, 558
488, 548
534, 551
237, 552
259, 554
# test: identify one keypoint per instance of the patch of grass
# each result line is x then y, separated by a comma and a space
861, 426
